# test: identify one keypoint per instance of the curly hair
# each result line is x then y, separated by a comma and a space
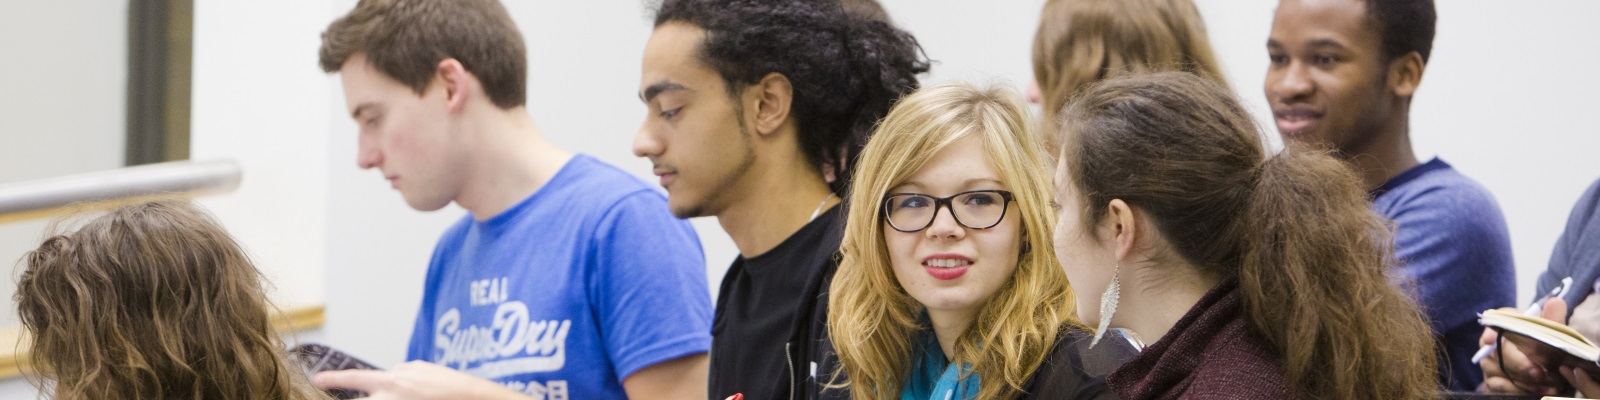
847, 69
153, 301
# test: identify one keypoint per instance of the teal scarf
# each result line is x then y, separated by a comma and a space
934, 378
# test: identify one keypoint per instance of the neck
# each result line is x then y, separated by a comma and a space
1152, 308
510, 161
777, 199
1387, 155
948, 325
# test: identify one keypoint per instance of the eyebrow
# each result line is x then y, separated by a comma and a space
1314, 43
1323, 43
364, 107
656, 89
964, 184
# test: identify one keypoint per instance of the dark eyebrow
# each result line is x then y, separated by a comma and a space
1326, 43
658, 88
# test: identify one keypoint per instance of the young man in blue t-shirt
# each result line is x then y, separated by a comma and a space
1342, 73
568, 279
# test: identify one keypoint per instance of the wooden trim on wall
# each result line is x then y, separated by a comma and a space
14, 341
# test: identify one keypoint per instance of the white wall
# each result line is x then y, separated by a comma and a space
329, 233
1501, 100
63, 108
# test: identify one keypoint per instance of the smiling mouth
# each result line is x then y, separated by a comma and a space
1295, 123
946, 268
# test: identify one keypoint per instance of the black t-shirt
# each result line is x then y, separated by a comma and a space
768, 336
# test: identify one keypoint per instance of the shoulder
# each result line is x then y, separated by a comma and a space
1442, 190
593, 191
600, 182
453, 237
1240, 365
1073, 369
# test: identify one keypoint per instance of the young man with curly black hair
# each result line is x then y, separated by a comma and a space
756, 110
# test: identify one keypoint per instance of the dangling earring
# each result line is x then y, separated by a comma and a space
1108, 305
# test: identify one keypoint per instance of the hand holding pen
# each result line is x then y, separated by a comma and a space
1533, 309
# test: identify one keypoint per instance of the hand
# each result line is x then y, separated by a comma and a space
1525, 371
1580, 379
416, 380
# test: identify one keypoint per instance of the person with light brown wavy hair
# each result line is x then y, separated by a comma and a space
152, 301
1080, 42
947, 288
1256, 276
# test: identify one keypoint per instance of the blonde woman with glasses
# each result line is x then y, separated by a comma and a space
948, 288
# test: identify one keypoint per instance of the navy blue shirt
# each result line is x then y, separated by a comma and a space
1451, 243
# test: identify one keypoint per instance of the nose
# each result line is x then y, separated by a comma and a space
945, 226
1291, 83
367, 154
645, 142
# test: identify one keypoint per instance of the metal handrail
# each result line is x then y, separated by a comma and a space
41, 198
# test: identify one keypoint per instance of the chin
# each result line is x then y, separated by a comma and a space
426, 204
950, 302
686, 211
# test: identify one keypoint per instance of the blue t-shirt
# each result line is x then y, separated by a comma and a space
565, 294
1451, 242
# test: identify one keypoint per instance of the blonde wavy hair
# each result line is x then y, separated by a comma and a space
873, 321
1080, 42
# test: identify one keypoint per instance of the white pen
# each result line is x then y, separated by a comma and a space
1533, 309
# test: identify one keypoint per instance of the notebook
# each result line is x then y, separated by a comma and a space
1563, 344
317, 358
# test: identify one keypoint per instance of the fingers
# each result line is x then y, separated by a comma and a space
1501, 385
1554, 309
1487, 338
1581, 380
362, 380
1522, 370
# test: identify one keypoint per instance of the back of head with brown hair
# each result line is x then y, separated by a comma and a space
1080, 42
152, 301
1295, 229
406, 39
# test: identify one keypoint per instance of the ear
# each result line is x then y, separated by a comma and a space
1405, 74
773, 97
1124, 228
456, 81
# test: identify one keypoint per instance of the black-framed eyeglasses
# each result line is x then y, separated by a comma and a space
977, 209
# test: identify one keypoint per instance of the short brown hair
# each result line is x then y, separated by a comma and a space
406, 39
153, 301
